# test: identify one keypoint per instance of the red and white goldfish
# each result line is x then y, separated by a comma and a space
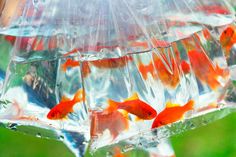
228, 39
66, 105
204, 69
172, 114
113, 121
70, 63
134, 106
168, 78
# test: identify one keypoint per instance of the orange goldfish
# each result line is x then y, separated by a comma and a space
62, 109
134, 106
185, 67
112, 62
32, 43
172, 114
114, 121
170, 79
204, 69
145, 69
69, 63
228, 39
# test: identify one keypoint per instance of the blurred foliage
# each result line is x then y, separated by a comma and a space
216, 139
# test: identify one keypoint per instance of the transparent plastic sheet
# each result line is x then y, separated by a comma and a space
141, 50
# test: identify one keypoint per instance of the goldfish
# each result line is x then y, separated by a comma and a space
32, 43
172, 114
204, 69
134, 106
185, 67
70, 63
145, 69
112, 62
113, 121
228, 39
66, 105
169, 79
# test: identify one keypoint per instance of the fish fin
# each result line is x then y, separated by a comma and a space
113, 105
189, 105
63, 67
142, 70
125, 114
138, 119
169, 105
64, 98
79, 96
133, 97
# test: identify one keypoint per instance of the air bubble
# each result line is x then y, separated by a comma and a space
12, 126
109, 154
61, 137
39, 135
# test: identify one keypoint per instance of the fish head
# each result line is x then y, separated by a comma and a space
157, 123
149, 112
226, 36
54, 114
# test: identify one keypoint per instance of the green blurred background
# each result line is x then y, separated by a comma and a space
217, 139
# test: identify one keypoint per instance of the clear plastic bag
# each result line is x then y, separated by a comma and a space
112, 71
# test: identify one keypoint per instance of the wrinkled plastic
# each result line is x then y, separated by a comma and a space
164, 52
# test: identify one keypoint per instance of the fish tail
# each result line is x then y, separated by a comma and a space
222, 72
142, 70
79, 96
189, 105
